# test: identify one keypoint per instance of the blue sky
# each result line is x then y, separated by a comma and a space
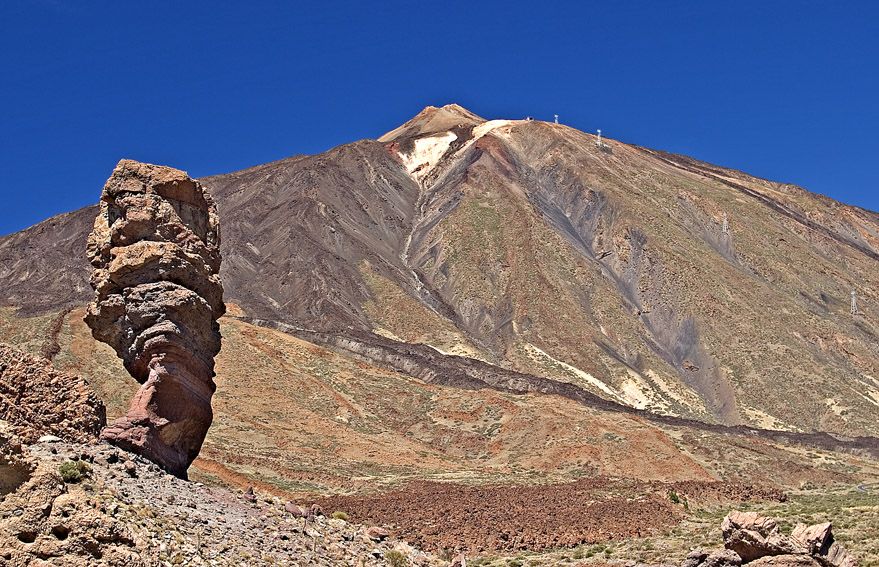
783, 90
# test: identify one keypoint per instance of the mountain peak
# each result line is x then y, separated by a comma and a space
434, 119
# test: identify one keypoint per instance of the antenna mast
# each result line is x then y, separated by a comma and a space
725, 227
556, 118
598, 143
854, 303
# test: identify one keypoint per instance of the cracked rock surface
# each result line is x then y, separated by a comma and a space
155, 252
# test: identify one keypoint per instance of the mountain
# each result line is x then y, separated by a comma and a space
523, 252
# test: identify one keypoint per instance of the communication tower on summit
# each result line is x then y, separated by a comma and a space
854, 303
556, 118
598, 143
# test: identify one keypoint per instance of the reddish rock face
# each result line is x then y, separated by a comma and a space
155, 251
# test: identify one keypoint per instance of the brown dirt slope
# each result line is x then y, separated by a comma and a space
297, 418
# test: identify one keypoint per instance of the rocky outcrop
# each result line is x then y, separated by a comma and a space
36, 400
14, 468
753, 536
705, 558
125, 512
754, 540
156, 259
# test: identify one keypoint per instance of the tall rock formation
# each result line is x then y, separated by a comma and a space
155, 251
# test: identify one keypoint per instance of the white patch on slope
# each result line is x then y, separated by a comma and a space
426, 154
872, 391
639, 394
685, 397
459, 349
487, 127
482, 130
764, 420
428, 151
382, 332
585, 376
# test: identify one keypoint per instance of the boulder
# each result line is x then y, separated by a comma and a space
838, 556
816, 538
719, 558
757, 540
155, 254
696, 557
295, 510
377, 533
785, 561
723, 558
753, 536
15, 469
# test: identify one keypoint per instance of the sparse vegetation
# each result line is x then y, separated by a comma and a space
74, 471
676, 498
396, 558
339, 515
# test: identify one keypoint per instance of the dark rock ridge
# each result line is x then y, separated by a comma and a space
425, 363
155, 250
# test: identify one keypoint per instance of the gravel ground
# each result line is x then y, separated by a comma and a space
126, 511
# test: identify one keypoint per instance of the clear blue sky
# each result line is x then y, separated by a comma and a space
783, 90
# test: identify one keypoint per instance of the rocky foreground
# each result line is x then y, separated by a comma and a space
75, 504
36, 398
66, 499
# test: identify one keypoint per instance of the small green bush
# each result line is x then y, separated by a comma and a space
677, 499
74, 471
396, 558
339, 515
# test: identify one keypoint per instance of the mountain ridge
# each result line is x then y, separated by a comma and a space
529, 246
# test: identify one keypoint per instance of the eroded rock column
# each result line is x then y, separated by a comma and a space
155, 250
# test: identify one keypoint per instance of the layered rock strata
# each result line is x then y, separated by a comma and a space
155, 254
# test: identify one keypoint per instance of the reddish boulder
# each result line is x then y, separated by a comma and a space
753, 536
377, 533
155, 250
759, 542
785, 561
818, 539
295, 510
